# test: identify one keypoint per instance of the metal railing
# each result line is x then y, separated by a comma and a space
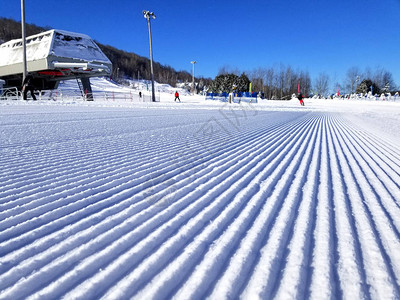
12, 93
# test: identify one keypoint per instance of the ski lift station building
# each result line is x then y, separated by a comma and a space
52, 56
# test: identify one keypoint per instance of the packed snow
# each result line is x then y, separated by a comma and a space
123, 199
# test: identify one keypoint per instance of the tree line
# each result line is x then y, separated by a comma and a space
281, 82
130, 65
10, 29
274, 83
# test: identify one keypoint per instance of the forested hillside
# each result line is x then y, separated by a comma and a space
125, 64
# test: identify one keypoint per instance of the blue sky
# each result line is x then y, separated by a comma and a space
315, 36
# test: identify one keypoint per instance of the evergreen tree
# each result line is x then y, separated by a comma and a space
243, 83
365, 87
226, 83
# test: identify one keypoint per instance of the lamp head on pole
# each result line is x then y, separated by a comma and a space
148, 14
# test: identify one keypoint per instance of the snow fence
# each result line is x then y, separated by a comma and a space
233, 97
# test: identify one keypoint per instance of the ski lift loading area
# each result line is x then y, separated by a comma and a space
53, 56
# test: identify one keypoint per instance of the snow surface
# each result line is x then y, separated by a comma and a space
118, 200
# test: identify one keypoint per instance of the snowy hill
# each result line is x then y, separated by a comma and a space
103, 84
105, 89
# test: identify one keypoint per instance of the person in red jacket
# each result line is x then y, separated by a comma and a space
300, 97
177, 96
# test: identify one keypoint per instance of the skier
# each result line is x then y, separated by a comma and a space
177, 96
300, 97
27, 86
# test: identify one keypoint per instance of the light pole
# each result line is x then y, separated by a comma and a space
147, 15
24, 72
193, 87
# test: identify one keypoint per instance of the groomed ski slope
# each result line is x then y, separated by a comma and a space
189, 201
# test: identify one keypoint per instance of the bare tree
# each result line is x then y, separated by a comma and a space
384, 80
353, 77
269, 80
290, 77
226, 69
321, 84
305, 83
257, 78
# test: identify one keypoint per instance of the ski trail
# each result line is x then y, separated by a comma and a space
382, 179
215, 204
266, 187
376, 266
350, 271
210, 230
261, 283
322, 278
297, 264
70, 200
120, 179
